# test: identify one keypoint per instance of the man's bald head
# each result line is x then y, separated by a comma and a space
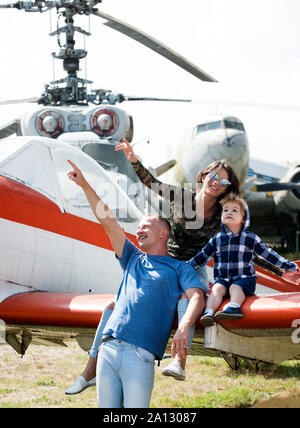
153, 233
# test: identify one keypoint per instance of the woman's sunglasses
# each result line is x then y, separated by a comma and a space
213, 176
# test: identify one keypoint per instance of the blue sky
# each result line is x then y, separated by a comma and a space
250, 46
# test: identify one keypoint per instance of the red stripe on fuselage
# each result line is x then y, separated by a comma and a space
19, 203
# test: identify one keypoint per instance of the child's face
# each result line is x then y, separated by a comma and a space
232, 216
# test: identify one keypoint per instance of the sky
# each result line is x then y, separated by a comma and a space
250, 46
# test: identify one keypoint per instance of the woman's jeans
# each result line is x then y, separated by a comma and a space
125, 375
183, 303
93, 352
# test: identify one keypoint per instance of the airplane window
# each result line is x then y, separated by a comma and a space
117, 200
8, 149
31, 167
234, 125
209, 126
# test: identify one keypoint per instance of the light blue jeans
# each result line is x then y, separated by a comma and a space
125, 375
183, 303
93, 352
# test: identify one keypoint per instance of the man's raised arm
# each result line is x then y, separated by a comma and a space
101, 211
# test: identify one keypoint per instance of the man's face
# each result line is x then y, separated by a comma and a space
149, 232
232, 215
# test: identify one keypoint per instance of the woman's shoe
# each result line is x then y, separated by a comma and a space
175, 370
80, 385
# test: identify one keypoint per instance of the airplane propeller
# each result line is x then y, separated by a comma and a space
276, 187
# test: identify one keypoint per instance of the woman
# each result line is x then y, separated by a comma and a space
194, 218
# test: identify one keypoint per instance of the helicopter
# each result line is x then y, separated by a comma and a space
90, 121
93, 122
50, 290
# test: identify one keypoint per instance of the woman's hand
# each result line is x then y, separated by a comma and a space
127, 149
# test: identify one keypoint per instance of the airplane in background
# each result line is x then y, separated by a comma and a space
272, 191
57, 267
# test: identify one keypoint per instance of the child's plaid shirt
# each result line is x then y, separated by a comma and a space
234, 254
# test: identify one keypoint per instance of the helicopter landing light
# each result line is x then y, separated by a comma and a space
104, 122
49, 123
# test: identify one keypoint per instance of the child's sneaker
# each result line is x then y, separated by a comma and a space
229, 314
207, 320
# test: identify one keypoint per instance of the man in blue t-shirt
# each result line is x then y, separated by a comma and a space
140, 325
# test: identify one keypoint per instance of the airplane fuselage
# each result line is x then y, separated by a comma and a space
211, 141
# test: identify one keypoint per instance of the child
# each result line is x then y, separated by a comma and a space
234, 250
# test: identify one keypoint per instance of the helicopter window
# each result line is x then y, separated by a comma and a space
209, 126
234, 125
20, 167
75, 199
109, 159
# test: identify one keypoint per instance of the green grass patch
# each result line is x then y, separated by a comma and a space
40, 378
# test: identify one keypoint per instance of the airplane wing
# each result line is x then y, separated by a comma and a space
51, 318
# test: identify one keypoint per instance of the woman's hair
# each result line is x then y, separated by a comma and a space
232, 177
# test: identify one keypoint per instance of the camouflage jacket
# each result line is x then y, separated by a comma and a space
188, 236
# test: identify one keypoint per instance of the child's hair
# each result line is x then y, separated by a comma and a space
235, 199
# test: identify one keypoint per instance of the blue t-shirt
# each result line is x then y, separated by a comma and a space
147, 298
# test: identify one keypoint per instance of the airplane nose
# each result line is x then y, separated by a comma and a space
229, 141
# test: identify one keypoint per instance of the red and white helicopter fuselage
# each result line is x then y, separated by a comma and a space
57, 266
50, 239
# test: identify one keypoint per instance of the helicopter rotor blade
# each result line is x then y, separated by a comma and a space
131, 98
25, 100
248, 104
155, 45
276, 187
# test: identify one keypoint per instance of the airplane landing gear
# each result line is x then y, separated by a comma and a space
236, 362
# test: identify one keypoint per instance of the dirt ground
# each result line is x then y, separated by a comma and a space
284, 400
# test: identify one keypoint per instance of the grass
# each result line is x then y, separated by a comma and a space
41, 376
